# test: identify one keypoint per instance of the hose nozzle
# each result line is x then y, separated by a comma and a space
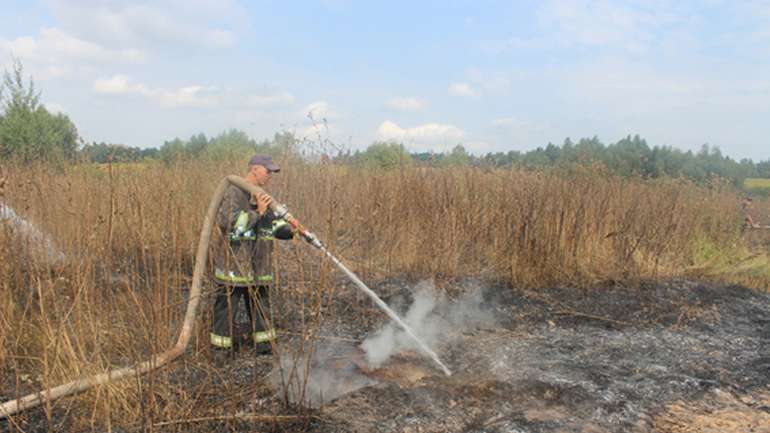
281, 211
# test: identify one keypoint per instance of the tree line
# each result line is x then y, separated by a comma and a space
229, 144
630, 156
633, 156
30, 132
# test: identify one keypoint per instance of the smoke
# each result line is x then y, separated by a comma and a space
327, 374
433, 318
333, 370
39, 246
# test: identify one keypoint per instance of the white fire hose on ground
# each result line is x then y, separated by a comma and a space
158, 360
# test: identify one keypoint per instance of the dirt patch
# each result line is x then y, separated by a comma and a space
404, 370
717, 412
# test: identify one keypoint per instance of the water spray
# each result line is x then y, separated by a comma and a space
160, 359
281, 211
45, 249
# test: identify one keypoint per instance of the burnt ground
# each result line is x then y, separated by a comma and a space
615, 359
675, 356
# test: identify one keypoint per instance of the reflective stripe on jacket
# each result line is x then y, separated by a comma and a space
264, 336
221, 341
231, 277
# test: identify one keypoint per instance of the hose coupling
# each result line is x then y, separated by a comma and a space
280, 210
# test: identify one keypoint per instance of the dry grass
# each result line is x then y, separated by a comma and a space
130, 236
527, 228
757, 184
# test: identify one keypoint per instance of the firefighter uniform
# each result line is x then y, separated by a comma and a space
242, 266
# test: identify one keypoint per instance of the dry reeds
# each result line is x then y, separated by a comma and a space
130, 233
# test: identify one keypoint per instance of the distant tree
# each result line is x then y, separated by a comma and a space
28, 131
229, 144
538, 157
109, 152
386, 155
587, 150
197, 145
149, 153
763, 169
457, 156
233, 143
172, 151
629, 156
96, 152
552, 151
632, 156
284, 143
497, 159
428, 158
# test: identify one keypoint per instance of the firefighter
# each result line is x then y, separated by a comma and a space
242, 256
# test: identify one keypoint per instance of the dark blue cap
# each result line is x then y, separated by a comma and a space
265, 161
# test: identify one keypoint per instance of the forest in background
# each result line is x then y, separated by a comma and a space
30, 132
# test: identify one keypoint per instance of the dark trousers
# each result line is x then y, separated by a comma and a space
226, 303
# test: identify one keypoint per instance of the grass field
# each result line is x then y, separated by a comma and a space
758, 184
131, 237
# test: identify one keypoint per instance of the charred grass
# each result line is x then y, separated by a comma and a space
130, 238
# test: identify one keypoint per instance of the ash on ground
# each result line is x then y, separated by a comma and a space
615, 359
330, 369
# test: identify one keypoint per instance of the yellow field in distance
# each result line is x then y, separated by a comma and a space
756, 183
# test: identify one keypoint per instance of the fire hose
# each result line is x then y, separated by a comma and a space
158, 360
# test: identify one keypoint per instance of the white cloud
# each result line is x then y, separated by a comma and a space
406, 104
149, 23
624, 26
189, 96
53, 42
56, 53
462, 89
435, 136
117, 85
629, 26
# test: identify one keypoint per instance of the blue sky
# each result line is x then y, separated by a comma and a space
492, 75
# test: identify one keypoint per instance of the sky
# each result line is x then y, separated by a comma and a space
491, 75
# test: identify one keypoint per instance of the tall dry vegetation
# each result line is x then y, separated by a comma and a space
130, 235
525, 228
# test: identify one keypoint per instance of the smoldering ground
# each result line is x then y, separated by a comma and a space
333, 369
655, 358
